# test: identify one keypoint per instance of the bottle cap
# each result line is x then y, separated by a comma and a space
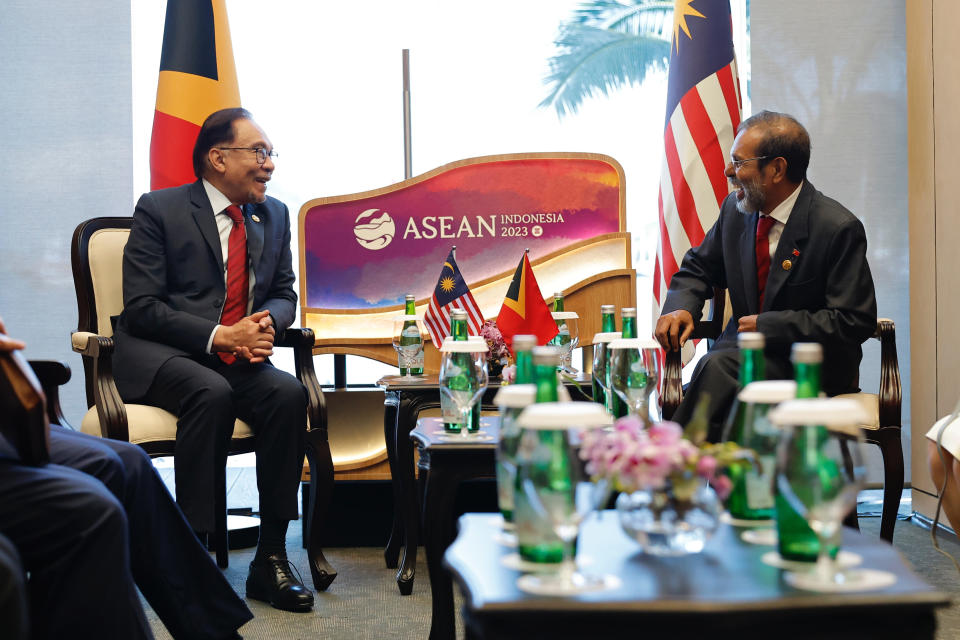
524, 342
806, 353
458, 314
607, 308
546, 356
410, 297
629, 312
558, 294
750, 340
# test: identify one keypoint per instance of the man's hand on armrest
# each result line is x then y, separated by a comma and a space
250, 338
673, 329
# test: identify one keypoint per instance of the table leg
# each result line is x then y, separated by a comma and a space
391, 402
408, 410
438, 533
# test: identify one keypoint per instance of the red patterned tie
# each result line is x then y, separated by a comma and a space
763, 256
235, 305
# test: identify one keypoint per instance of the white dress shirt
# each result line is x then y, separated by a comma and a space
219, 204
780, 215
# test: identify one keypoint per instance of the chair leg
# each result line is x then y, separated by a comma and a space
321, 492
220, 540
891, 450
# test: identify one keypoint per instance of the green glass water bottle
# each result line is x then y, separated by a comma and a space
608, 319
536, 539
451, 416
796, 540
608, 324
629, 319
523, 357
411, 336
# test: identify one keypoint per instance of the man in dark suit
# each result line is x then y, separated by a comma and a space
207, 283
793, 261
92, 522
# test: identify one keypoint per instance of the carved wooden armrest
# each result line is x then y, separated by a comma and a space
301, 340
110, 409
52, 374
891, 390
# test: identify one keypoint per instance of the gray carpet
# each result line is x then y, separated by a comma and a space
364, 602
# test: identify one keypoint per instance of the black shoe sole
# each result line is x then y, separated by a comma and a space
302, 608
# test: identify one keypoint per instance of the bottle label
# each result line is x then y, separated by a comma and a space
759, 485
449, 411
411, 332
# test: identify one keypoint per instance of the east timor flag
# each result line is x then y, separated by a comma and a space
197, 77
524, 310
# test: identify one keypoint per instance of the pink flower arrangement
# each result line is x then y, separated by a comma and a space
499, 354
638, 458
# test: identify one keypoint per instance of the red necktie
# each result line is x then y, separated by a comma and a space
763, 256
235, 305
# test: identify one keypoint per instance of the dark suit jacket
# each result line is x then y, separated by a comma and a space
825, 296
173, 279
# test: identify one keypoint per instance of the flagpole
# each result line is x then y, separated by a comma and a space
407, 152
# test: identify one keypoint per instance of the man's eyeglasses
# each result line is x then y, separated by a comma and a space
260, 151
736, 163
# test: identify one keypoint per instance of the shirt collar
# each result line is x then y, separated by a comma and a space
781, 213
218, 201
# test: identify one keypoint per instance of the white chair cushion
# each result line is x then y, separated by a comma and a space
105, 251
871, 404
150, 424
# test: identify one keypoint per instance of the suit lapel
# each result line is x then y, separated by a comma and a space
203, 215
748, 260
794, 236
254, 234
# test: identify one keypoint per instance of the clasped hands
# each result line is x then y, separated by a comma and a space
675, 327
251, 338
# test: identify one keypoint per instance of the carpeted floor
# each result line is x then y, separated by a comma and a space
364, 602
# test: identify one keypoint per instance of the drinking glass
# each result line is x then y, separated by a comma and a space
601, 364
567, 339
463, 376
634, 373
554, 483
408, 345
820, 471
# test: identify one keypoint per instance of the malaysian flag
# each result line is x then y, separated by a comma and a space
703, 112
451, 292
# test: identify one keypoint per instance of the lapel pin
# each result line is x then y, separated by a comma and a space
255, 218
787, 265
796, 253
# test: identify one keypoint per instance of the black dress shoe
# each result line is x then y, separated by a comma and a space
272, 580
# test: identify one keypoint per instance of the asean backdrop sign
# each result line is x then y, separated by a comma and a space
367, 250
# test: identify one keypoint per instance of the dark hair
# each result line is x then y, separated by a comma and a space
216, 129
783, 137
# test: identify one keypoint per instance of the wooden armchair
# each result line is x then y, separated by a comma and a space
885, 406
97, 255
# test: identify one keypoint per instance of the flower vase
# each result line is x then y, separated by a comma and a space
666, 522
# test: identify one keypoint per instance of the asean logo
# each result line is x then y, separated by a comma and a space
374, 231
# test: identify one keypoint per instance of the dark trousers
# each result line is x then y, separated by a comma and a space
207, 396
717, 373
172, 569
72, 535
13, 592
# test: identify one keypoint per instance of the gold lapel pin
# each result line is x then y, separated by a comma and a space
787, 265
256, 218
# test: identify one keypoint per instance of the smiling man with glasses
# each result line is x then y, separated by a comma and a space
793, 262
207, 283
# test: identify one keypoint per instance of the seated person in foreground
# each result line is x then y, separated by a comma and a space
207, 283
92, 522
793, 262
944, 463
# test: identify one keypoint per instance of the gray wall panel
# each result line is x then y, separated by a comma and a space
66, 109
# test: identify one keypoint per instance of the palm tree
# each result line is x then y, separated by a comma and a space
605, 45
